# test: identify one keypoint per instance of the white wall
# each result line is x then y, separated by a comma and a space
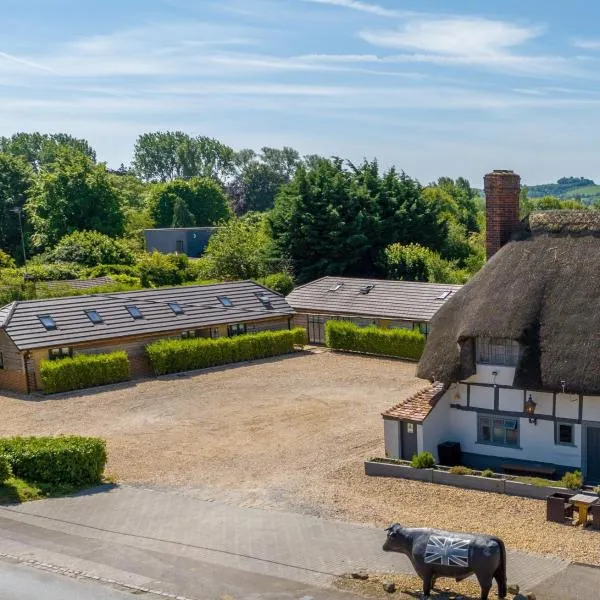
436, 427
391, 434
482, 397
537, 441
591, 408
567, 406
544, 401
510, 400
483, 374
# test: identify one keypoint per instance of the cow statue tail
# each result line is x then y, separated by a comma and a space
500, 574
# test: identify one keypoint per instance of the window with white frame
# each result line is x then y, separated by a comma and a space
565, 434
57, 353
237, 329
497, 351
500, 431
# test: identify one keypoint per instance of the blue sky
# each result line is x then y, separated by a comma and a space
435, 87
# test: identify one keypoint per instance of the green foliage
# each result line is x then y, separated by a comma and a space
283, 283
91, 248
6, 261
5, 468
203, 198
487, 473
333, 220
53, 271
73, 194
68, 460
460, 470
413, 262
182, 217
597, 490
572, 480
563, 188
423, 460
173, 356
40, 149
403, 343
83, 371
158, 269
239, 249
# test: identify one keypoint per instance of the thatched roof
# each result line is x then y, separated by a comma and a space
543, 290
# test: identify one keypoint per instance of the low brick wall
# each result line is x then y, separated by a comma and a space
470, 482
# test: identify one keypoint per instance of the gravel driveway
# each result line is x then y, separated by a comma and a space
288, 433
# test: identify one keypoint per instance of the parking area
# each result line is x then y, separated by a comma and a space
289, 434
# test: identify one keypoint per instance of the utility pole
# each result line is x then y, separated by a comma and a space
18, 210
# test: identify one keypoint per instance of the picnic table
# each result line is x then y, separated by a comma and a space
582, 502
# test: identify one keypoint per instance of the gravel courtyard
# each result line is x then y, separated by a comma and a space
289, 434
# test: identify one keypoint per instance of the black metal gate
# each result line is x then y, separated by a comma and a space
316, 329
593, 454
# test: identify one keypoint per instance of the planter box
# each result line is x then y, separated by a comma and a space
517, 488
380, 469
470, 482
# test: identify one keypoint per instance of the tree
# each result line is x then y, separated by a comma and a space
91, 248
203, 197
240, 249
165, 156
73, 194
16, 178
413, 262
40, 149
182, 217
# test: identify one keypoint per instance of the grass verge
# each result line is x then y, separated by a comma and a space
15, 490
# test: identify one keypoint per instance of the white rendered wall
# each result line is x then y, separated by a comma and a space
544, 401
483, 374
510, 400
436, 427
482, 397
537, 441
567, 406
591, 408
391, 436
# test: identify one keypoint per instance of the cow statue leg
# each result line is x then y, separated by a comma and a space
428, 580
485, 581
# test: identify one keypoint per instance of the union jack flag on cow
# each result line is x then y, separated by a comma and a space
447, 551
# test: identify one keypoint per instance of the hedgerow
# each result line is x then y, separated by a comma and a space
82, 371
403, 343
5, 468
70, 460
173, 356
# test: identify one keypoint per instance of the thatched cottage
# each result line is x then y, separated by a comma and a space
515, 352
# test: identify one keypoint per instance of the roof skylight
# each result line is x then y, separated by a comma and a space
134, 311
367, 288
94, 317
225, 301
444, 295
48, 322
336, 286
265, 299
176, 308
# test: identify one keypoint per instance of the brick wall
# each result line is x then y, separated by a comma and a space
502, 189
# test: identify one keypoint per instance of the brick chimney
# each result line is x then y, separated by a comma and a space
502, 189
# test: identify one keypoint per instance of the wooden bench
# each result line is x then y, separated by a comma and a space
518, 469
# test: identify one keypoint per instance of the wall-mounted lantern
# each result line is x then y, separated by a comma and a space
530, 410
494, 375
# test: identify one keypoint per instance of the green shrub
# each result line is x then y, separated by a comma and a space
103, 270
404, 343
53, 272
487, 473
82, 371
460, 470
283, 283
173, 356
69, 460
91, 248
572, 480
423, 460
158, 269
5, 468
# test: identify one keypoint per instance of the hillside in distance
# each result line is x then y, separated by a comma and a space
574, 188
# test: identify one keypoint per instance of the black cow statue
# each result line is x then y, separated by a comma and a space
435, 553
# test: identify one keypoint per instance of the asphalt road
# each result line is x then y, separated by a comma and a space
21, 582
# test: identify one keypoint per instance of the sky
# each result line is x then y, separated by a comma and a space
436, 88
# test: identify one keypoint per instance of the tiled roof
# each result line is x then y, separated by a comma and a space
200, 304
78, 284
418, 406
401, 300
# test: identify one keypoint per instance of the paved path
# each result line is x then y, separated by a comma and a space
147, 539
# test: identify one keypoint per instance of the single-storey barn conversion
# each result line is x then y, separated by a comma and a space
388, 304
514, 354
36, 330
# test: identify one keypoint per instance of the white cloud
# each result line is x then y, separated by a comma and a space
26, 62
587, 44
374, 9
466, 41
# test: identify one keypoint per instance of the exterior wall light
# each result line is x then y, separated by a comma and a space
494, 375
530, 410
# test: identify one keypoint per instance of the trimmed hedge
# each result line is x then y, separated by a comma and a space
174, 356
83, 371
70, 460
5, 468
404, 343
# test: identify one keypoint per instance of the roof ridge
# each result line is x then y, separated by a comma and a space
11, 311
